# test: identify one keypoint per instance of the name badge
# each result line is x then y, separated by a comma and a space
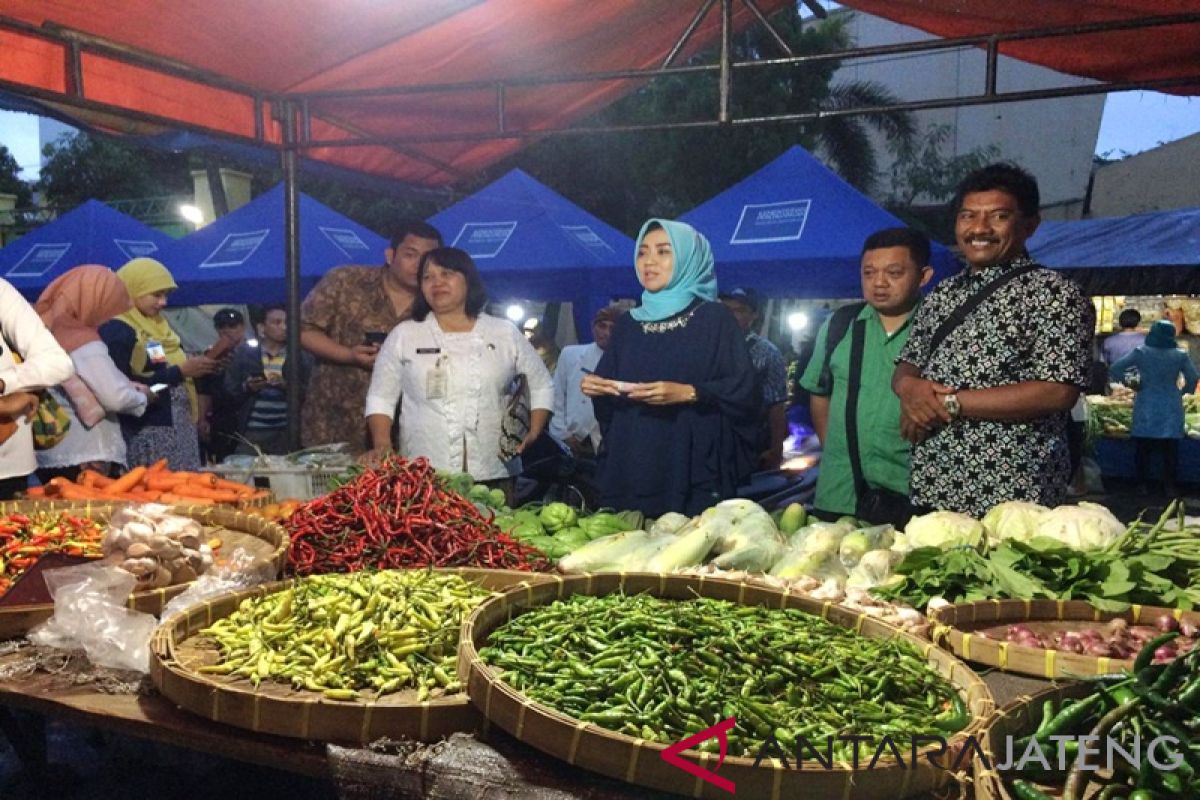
428, 351
436, 383
155, 352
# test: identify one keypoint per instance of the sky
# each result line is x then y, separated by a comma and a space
1137, 121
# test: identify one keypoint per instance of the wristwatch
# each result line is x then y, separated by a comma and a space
952, 406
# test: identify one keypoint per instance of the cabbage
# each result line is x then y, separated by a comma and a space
638, 559
670, 522
603, 554
873, 569
1087, 526
857, 544
809, 564
748, 537
801, 536
1016, 519
686, 548
944, 529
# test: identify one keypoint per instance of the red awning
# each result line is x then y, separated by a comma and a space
234, 59
283, 47
1157, 53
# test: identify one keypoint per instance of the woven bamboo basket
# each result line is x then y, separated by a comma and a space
1015, 719
955, 628
266, 541
278, 709
637, 761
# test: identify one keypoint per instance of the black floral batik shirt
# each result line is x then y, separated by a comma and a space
1037, 327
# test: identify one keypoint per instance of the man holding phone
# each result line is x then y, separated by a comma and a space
344, 319
257, 382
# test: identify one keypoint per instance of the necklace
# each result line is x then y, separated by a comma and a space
666, 325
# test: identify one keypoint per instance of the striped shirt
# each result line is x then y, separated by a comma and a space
270, 405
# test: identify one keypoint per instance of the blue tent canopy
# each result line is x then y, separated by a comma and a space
240, 257
795, 229
91, 233
1155, 253
530, 242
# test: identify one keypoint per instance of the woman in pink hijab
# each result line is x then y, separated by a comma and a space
73, 307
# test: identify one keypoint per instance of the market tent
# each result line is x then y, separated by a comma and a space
137, 66
239, 258
531, 242
795, 229
1114, 56
1154, 253
91, 233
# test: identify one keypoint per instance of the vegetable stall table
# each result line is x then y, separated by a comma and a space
352, 772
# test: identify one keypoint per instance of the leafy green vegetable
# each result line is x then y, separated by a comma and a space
1147, 565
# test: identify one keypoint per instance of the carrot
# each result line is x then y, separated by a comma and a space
94, 479
36, 491
180, 500
73, 491
205, 479
162, 481
126, 482
233, 486
184, 475
158, 466
192, 490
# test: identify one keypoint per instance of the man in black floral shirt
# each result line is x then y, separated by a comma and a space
987, 408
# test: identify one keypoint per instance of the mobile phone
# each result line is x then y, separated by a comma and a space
158, 388
374, 337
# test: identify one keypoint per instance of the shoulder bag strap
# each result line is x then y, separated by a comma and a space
960, 314
858, 336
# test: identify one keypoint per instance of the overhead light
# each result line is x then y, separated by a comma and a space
191, 213
515, 312
797, 320
252, 342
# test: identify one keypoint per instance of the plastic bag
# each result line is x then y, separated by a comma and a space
90, 614
749, 539
241, 572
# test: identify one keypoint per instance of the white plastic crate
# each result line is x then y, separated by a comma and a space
285, 483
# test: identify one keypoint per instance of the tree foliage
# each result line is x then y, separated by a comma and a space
922, 173
80, 167
10, 178
625, 177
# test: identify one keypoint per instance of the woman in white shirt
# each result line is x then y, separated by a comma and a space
43, 364
73, 307
451, 367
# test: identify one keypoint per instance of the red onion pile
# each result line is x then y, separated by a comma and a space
1117, 639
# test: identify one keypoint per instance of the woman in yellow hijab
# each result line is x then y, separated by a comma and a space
145, 348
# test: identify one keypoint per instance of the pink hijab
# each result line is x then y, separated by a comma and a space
78, 302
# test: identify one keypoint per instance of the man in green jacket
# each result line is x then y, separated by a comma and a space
895, 265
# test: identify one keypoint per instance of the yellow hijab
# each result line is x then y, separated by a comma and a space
143, 276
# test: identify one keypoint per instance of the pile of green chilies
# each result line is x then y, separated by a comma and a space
1134, 708
663, 670
340, 634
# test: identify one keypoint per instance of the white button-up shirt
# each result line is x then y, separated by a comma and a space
479, 368
44, 364
574, 416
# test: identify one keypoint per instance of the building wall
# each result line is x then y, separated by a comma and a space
1156, 180
1054, 139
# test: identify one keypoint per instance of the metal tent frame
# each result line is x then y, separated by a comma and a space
293, 112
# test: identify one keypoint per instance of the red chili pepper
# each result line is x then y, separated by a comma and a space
399, 515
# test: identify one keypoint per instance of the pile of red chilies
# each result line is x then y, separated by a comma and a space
398, 515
